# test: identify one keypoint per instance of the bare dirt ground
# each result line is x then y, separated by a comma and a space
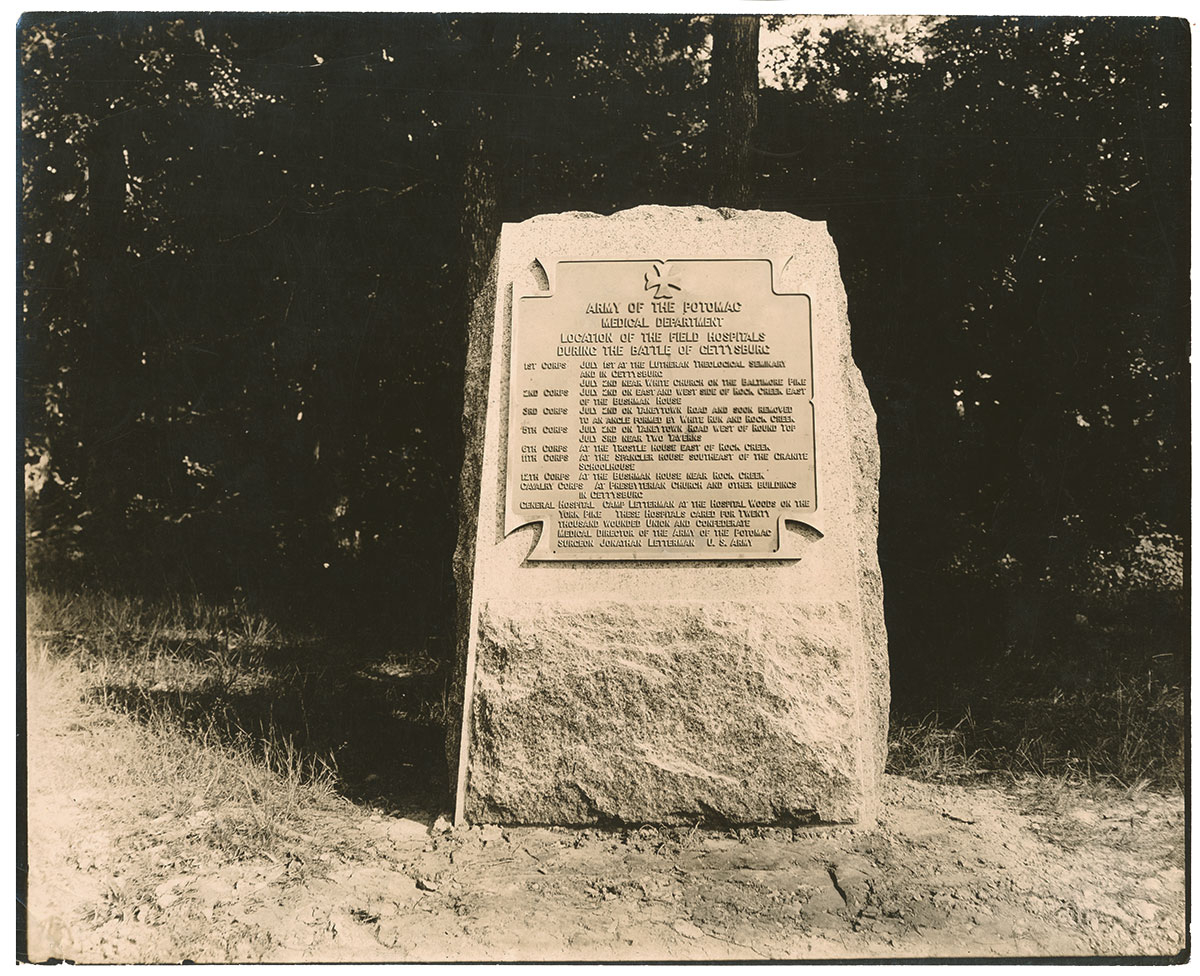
120, 874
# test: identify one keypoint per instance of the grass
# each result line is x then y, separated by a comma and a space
179, 752
219, 748
249, 717
1129, 733
237, 714
930, 749
1095, 697
226, 751
230, 792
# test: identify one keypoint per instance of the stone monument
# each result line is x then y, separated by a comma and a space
670, 606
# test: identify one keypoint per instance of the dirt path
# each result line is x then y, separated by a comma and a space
1040, 869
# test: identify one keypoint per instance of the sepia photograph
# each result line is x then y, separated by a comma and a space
602, 487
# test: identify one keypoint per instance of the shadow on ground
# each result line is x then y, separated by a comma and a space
376, 724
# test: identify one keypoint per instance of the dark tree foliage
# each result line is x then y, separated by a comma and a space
242, 383
248, 243
1010, 206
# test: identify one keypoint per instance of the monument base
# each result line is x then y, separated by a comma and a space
673, 690
665, 712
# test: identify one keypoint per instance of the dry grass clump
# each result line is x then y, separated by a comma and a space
931, 750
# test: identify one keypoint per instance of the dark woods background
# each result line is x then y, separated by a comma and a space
248, 243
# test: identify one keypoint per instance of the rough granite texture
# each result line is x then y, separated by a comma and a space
736, 692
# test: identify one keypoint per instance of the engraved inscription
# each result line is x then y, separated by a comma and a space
661, 410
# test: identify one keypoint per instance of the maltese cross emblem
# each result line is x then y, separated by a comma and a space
663, 280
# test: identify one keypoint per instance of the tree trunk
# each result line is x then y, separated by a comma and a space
733, 108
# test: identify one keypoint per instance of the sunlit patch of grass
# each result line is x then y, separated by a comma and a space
201, 770
300, 704
96, 647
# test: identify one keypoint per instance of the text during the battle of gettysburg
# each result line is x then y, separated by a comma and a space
661, 410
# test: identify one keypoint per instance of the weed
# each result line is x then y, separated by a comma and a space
256, 632
124, 900
297, 776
